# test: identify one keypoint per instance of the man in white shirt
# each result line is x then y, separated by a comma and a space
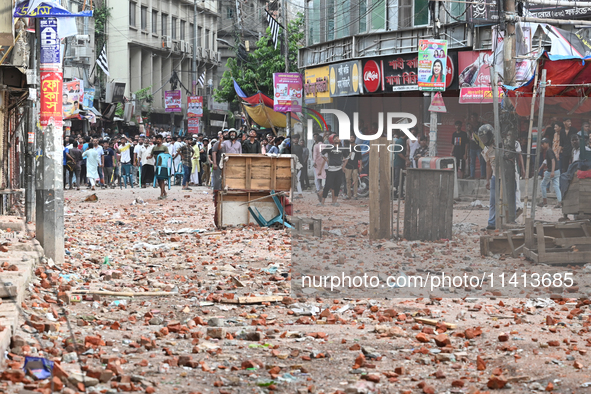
101, 153
136, 157
126, 150
147, 172
177, 160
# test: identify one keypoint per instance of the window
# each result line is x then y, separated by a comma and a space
330, 20
164, 24
144, 18
206, 39
199, 35
421, 12
378, 14
404, 13
191, 32
362, 16
132, 14
155, 22
314, 22
183, 27
173, 28
229, 12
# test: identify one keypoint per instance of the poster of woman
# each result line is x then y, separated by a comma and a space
432, 63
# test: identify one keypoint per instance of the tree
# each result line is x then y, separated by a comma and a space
256, 71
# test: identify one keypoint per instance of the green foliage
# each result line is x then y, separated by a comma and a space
101, 17
256, 73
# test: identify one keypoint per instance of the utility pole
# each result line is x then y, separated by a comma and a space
194, 84
50, 187
508, 122
286, 39
31, 125
432, 114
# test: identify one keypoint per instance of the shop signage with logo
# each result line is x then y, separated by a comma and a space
344, 79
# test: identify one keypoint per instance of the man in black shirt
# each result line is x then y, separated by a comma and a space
551, 174
251, 145
334, 155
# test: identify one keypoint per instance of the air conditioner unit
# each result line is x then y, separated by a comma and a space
206, 54
219, 57
166, 42
82, 51
178, 47
189, 48
183, 46
81, 39
199, 53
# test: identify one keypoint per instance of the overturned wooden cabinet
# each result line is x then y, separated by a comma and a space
248, 180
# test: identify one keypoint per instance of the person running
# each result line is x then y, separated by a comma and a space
92, 163
158, 150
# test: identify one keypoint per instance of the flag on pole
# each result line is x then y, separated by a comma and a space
101, 60
274, 25
202, 79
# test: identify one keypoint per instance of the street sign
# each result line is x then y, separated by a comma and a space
437, 104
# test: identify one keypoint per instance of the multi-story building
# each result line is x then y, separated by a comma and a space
151, 40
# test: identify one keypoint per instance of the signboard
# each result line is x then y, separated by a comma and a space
49, 42
344, 79
316, 86
485, 11
474, 77
114, 92
50, 111
194, 106
399, 73
287, 92
46, 10
172, 101
73, 96
193, 125
432, 62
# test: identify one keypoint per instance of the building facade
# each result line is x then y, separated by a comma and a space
149, 41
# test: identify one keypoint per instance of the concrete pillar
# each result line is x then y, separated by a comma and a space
49, 195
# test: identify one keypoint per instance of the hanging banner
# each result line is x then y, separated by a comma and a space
193, 125
73, 98
194, 106
45, 9
287, 92
49, 43
344, 79
474, 77
88, 97
50, 111
172, 101
432, 65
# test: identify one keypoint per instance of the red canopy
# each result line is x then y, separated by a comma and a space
562, 94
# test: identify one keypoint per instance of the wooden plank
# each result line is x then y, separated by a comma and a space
273, 174
385, 189
510, 240
427, 214
540, 238
251, 300
447, 224
568, 242
433, 322
374, 192
529, 233
566, 258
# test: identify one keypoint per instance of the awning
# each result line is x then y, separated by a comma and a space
265, 116
570, 85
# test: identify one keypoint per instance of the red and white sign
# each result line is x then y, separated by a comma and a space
474, 77
437, 104
371, 76
193, 125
